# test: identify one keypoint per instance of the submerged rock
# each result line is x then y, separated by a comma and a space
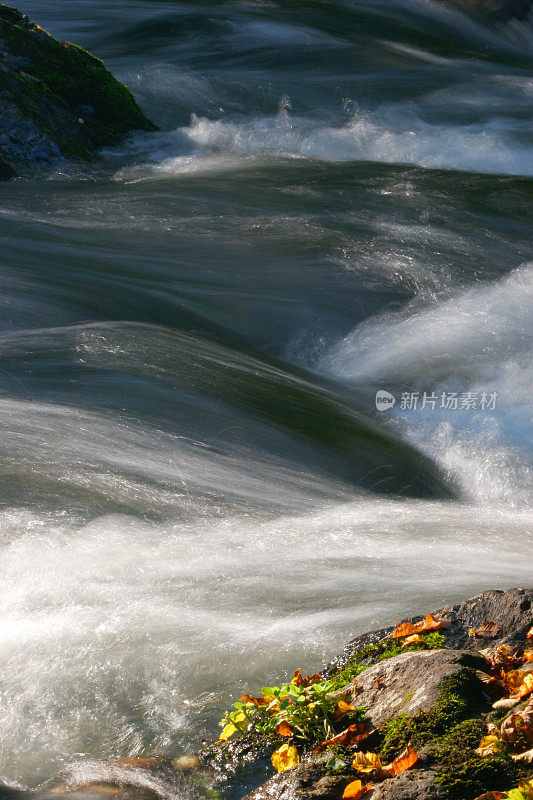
56, 100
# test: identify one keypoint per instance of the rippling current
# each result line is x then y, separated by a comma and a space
198, 492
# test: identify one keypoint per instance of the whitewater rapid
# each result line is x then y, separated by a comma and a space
198, 492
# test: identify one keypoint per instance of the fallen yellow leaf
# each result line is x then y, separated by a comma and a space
286, 757
227, 732
342, 708
366, 762
489, 745
521, 683
526, 787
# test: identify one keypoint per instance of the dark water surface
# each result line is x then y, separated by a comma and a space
198, 493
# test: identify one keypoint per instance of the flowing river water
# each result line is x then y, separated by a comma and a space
198, 492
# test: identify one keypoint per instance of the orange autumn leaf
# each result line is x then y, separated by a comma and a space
352, 735
528, 655
430, 623
407, 759
487, 630
492, 796
403, 629
299, 680
414, 639
530, 633
257, 701
284, 729
355, 790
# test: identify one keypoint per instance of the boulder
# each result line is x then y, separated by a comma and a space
417, 783
409, 683
57, 102
512, 611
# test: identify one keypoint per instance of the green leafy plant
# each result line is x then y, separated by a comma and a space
303, 712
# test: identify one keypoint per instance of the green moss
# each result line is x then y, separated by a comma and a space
463, 773
459, 697
65, 91
452, 734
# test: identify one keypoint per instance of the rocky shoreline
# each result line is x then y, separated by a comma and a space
438, 708
437, 697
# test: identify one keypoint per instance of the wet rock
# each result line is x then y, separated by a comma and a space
417, 783
57, 102
511, 610
306, 782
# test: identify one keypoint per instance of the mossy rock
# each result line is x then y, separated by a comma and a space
464, 774
56, 99
450, 735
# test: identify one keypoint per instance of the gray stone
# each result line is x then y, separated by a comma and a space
305, 782
416, 783
512, 611
408, 683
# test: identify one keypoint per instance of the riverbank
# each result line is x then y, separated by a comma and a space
438, 707
423, 710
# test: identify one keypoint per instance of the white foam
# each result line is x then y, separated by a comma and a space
400, 132
479, 340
